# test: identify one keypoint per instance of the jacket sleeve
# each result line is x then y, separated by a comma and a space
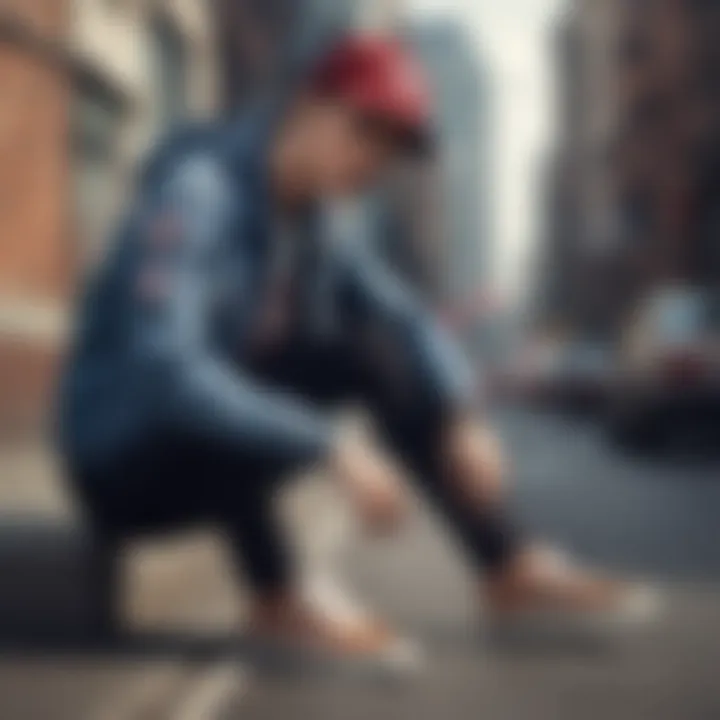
405, 335
207, 394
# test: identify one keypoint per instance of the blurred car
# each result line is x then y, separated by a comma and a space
583, 375
579, 377
668, 373
521, 374
566, 376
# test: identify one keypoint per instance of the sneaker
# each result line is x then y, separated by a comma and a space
546, 595
323, 631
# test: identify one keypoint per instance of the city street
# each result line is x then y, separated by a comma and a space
217, 216
656, 514
657, 518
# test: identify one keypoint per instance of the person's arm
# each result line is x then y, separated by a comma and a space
206, 394
428, 366
409, 336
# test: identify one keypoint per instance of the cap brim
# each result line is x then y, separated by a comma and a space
410, 139
419, 142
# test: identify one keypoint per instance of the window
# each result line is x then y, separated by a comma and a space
169, 72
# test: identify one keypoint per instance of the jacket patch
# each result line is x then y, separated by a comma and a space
165, 231
153, 283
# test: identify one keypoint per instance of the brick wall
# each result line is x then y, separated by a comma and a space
47, 56
28, 373
35, 256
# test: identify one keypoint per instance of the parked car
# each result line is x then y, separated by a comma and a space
522, 373
563, 375
580, 378
668, 375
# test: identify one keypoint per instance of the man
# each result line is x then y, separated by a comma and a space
220, 328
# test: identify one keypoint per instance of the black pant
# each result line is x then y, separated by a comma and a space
171, 481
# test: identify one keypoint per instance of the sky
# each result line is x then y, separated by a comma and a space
513, 38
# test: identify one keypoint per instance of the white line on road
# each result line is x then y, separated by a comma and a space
210, 695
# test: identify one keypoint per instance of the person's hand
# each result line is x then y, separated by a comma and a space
374, 483
476, 462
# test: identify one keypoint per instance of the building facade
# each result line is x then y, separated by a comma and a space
270, 43
85, 85
666, 162
635, 180
34, 264
580, 243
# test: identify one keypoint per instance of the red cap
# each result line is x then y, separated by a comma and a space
381, 77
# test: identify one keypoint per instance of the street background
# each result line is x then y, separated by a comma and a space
568, 233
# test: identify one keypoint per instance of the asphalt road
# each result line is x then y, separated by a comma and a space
658, 518
656, 514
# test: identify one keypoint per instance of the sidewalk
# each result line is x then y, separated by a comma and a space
171, 585
183, 586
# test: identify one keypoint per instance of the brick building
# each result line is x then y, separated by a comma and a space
666, 159
84, 86
636, 173
35, 262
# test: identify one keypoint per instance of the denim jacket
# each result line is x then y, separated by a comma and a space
164, 325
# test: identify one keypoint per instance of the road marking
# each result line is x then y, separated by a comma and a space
210, 696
